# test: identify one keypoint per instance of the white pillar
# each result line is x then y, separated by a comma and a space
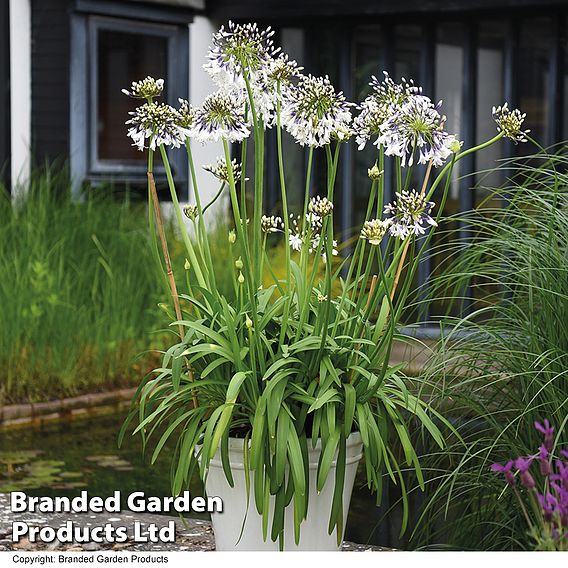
200, 85
20, 93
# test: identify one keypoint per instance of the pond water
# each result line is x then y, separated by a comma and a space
66, 457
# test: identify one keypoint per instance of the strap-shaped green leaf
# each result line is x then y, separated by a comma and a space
326, 457
349, 412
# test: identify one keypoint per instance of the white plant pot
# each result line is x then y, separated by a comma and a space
313, 530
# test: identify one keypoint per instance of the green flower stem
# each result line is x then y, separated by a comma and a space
201, 223
360, 244
179, 215
217, 195
381, 195
286, 220
249, 276
243, 189
305, 246
322, 324
398, 169
258, 181
458, 157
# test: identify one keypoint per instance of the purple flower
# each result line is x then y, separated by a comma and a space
523, 465
544, 461
507, 470
548, 431
548, 503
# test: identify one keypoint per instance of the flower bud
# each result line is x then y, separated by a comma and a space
241, 278
248, 323
232, 237
374, 173
186, 264
191, 211
455, 146
239, 264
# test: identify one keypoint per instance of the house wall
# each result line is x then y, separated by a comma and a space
20, 91
50, 80
5, 92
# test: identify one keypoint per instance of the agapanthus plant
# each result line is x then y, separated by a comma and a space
543, 492
307, 357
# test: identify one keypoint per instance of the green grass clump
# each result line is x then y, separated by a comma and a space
79, 291
505, 365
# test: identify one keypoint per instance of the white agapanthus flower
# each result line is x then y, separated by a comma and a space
409, 214
386, 99
220, 117
417, 127
375, 230
510, 122
313, 112
187, 114
157, 122
147, 88
221, 172
238, 48
271, 224
296, 242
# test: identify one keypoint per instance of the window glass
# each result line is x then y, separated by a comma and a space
490, 93
448, 81
369, 53
533, 76
123, 57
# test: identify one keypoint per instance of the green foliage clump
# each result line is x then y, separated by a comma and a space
78, 291
505, 365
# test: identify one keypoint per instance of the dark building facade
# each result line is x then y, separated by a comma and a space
472, 54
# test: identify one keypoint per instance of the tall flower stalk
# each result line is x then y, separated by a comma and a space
306, 356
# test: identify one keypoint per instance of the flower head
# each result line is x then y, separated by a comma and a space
548, 431
321, 206
409, 213
187, 114
281, 70
375, 230
313, 112
510, 122
221, 172
417, 127
238, 48
374, 173
147, 88
523, 466
158, 122
544, 461
221, 117
191, 211
507, 470
386, 100
270, 224
296, 241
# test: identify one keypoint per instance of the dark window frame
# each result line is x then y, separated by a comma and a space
86, 166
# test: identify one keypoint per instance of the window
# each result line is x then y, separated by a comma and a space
107, 55
122, 57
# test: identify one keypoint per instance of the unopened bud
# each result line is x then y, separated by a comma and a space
375, 173
239, 264
232, 237
455, 146
248, 323
241, 278
186, 264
